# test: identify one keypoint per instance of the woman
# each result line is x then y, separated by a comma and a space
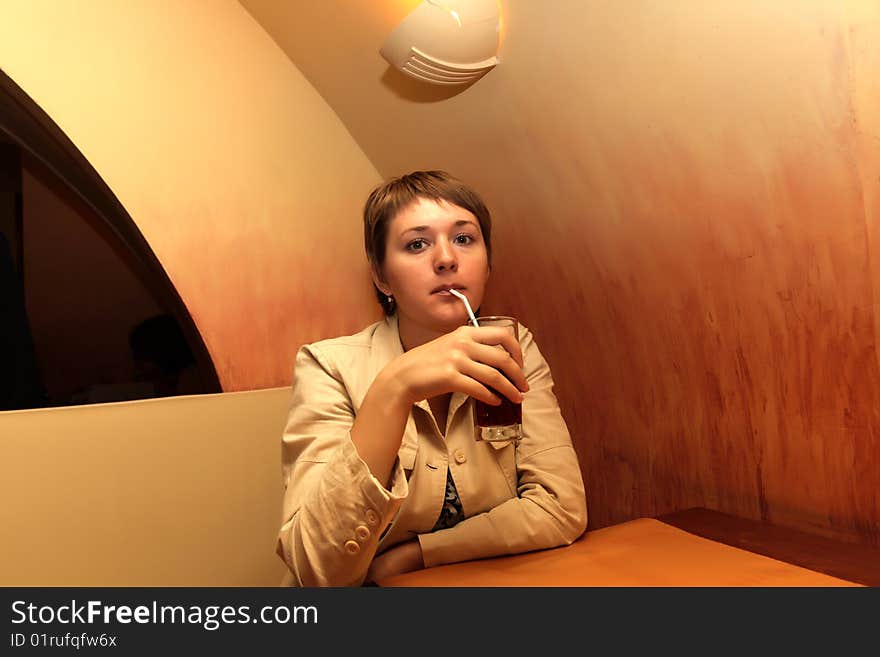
381, 470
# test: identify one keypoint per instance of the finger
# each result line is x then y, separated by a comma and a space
493, 335
494, 379
500, 359
473, 388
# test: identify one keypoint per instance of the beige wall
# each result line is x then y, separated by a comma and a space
231, 164
181, 491
686, 204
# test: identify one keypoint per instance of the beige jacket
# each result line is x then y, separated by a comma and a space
336, 516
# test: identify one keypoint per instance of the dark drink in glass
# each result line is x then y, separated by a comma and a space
507, 414
502, 422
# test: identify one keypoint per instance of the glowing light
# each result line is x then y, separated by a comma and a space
444, 7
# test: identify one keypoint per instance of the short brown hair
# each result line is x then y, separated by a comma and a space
389, 198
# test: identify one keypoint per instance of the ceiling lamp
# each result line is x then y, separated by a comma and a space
446, 41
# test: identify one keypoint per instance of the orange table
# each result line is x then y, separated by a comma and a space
651, 552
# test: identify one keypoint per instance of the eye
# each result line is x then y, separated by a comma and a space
417, 244
464, 238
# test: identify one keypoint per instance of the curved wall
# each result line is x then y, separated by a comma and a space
233, 167
686, 199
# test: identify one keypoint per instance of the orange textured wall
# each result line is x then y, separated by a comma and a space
710, 264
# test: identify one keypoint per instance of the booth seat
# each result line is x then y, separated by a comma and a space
177, 491
186, 491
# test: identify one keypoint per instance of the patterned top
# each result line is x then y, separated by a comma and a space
451, 513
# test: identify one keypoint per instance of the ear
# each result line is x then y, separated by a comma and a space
379, 282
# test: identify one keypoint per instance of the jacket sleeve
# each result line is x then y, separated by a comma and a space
550, 508
334, 510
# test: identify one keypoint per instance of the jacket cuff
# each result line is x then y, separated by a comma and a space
385, 503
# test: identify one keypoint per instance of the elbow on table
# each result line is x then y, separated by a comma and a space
564, 513
574, 523
574, 518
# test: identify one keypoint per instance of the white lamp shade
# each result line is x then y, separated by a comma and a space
446, 41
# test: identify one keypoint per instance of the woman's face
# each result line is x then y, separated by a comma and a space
430, 247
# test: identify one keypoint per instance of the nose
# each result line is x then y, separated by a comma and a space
445, 257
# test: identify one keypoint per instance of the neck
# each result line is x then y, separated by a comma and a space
414, 335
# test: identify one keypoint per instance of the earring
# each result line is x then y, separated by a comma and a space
390, 299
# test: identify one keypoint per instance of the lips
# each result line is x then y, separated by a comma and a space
446, 288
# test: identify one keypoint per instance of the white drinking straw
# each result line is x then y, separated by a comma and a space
466, 305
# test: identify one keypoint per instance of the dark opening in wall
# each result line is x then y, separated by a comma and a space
88, 313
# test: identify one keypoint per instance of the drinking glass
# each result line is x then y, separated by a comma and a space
502, 422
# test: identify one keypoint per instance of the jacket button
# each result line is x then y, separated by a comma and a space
352, 547
362, 533
372, 518
460, 456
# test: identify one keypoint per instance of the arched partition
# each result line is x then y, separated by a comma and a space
54, 162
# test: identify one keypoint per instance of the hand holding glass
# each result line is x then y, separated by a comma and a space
502, 422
